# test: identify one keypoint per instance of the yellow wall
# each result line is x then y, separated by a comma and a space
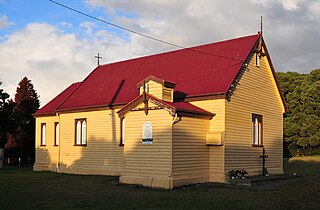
153, 88
217, 126
157, 90
256, 93
102, 155
46, 156
148, 164
190, 152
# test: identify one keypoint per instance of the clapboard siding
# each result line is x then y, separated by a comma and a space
217, 124
153, 88
102, 155
145, 162
190, 152
46, 156
256, 93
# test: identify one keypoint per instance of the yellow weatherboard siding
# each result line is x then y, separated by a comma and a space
46, 156
256, 93
153, 88
102, 155
217, 125
158, 90
190, 152
149, 165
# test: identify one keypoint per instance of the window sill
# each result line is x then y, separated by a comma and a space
55, 145
121, 145
257, 145
43, 145
79, 145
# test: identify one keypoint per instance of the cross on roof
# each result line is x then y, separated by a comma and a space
98, 57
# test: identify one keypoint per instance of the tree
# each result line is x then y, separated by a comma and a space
302, 121
26, 104
4, 117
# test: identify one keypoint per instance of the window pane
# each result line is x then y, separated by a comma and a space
43, 137
260, 133
84, 132
123, 130
57, 134
78, 134
256, 129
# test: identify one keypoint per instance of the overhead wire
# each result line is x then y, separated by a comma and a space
141, 34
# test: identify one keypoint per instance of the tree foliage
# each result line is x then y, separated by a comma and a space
302, 121
26, 104
6, 116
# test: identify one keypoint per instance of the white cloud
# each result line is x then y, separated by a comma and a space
289, 25
4, 22
290, 5
88, 26
53, 60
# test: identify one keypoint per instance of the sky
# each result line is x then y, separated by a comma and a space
55, 47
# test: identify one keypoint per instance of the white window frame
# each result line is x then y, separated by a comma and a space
80, 132
56, 133
43, 140
257, 130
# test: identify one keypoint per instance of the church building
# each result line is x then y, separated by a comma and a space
170, 119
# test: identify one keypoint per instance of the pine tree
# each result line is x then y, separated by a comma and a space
26, 104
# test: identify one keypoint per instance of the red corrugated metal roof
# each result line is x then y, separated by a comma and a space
185, 106
54, 104
177, 106
209, 72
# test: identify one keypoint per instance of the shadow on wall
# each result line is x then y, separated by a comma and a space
106, 157
250, 158
98, 157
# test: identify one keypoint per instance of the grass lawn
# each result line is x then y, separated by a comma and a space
21, 188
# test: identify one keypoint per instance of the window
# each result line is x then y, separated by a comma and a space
56, 134
257, 134
257, 59
147, 133
81, 132
43, 134
123, 130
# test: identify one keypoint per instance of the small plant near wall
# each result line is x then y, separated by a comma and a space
232, 174
237, 174
241, 173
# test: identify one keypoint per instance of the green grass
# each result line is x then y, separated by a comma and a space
309, 165
21, 188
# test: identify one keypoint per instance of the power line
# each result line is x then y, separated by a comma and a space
141, 34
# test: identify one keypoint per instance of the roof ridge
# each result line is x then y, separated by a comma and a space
177, 50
